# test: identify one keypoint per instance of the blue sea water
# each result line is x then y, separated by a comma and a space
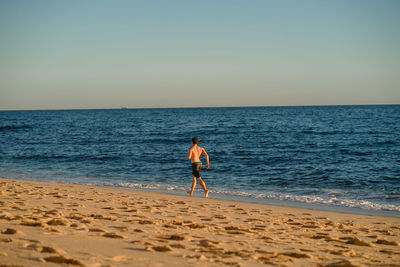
325, 156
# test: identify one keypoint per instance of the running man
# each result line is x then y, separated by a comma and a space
194, 153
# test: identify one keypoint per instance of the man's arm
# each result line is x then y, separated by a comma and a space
189, 154
207, 158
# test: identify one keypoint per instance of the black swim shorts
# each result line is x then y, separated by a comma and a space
196, 167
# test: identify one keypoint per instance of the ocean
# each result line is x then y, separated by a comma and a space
343, 158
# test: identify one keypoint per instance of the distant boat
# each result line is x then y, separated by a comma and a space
123, 108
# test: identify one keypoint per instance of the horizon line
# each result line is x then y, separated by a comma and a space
205, 107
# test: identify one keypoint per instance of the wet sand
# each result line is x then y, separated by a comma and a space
47, 223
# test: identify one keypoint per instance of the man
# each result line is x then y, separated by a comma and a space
194, 153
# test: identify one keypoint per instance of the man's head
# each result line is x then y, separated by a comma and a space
195, 140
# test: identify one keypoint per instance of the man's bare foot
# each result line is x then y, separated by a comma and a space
190, 193
206, 193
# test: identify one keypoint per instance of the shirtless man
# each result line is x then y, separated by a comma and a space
194, 153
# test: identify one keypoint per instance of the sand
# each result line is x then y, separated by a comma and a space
48, 223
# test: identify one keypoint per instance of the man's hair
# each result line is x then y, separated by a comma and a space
195, 140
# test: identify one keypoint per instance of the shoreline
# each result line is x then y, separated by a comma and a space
241, 198
281, 203
42, 223
236, 197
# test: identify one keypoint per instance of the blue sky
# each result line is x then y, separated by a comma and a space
106, 54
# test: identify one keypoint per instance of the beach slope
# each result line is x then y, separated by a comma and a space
45, 223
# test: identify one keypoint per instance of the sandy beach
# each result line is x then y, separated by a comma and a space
48, 223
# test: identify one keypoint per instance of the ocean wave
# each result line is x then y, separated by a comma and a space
14, 127
332, 198
65, 158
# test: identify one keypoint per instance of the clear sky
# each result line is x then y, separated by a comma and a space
107, 54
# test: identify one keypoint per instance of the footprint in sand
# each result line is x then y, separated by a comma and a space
195, 226
145, 222
75, 216
258, 228
17, 208
389, 252
32, 223
113, 235
78, 227
355, 241
295, 255
6, 216
5, 240
177, 246
236, 230
76, 205
54, 212
387, 242
172, 237
60, 221
343, 252
162, 248
269, 257
323, 236
363, 229
9, 231
159, 206
34, 246
385, 232
340, 263
267, 239
62, 259
98, 230
121, 228
132, 210
208, 243
198, 257
102, 217
86, 220
43, 249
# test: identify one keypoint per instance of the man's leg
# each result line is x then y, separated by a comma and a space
193, 185
201, 182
